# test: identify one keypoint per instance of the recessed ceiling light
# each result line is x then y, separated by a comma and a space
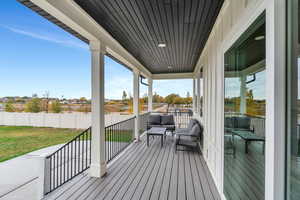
162, 45
261, 37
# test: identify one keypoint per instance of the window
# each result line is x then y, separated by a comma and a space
293, 102
244, 120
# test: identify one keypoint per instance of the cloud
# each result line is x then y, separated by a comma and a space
50, 38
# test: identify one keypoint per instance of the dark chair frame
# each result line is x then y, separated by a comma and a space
187, 144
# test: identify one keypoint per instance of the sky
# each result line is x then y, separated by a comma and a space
37, 56
258, 87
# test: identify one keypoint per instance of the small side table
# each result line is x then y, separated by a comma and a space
157, 131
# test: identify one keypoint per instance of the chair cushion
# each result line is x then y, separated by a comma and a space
182, 130
229, 122
196, 130
242, 123
154, 119
191, 124
167, 120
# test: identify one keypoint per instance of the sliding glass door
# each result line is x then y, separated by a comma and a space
293, 103
244, 120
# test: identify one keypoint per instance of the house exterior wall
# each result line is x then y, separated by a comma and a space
235, 17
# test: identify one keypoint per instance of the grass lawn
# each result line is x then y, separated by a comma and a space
119, 136
19, 140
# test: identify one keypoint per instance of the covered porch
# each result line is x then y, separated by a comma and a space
170, 39
142, 172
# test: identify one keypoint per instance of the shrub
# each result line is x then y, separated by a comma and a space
9, 107
34, 105
56, 106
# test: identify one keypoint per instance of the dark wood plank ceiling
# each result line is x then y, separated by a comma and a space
140, 25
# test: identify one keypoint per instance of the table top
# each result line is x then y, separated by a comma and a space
248, 135
157, 131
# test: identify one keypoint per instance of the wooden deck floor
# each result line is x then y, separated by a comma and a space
244, 175
146, 173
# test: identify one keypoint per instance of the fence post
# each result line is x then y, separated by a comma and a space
43, 183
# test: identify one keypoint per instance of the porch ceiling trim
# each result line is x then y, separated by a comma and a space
173, 76
72, 18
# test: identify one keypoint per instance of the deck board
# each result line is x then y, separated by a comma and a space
146, 173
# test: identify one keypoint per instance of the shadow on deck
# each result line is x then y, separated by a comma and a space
143, 172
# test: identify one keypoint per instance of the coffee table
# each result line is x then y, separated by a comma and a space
249, 136
157, 131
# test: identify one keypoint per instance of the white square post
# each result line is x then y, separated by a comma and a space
194, 96
243, 91
43, 182
275, 99
136, 102
98, 161
150, 95
198, 92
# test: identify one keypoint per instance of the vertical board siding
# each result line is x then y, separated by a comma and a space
230, 19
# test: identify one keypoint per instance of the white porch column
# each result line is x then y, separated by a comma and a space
98, 162
243, 94
194, 96
275, 158
198, 92
150, 95
136, 102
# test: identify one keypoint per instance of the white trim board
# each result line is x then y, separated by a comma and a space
173, 76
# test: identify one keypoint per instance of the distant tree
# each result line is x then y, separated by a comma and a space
157, 98
34, 95
188, 94
83, 99
141, 104
170, 98
178, 100
55, 106
46, 101
130, 105
124, 96
9, 106
188, 100
145, 99
33, 105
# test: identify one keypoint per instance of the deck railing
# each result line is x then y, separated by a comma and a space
117, 137
68, 161
74, 157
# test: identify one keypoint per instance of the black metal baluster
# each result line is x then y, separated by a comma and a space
91, 146
50, 158
118, 136
75, 150
107, 143
64, 164
79, 151
60, 167
57, 169
68, 162
110, 141
85, 139
72, 159
82, 151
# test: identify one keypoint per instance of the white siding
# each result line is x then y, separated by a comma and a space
234, 18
